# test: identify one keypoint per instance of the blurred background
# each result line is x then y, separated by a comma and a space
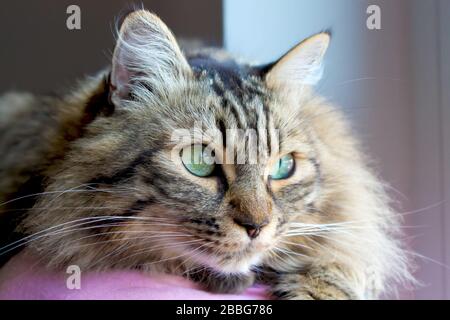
393, 83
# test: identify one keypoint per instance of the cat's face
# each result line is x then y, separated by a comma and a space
235, 204
203, 162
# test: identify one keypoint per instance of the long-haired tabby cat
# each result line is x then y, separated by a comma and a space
96, 178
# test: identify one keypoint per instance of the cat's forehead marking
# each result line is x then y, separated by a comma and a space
227, 74
243, 94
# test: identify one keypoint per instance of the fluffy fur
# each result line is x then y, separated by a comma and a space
91, 179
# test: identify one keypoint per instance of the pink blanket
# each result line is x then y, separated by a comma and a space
23, 278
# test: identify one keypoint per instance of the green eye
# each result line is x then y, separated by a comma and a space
283, 168
197, 160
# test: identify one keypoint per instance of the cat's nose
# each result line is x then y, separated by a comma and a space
253, 229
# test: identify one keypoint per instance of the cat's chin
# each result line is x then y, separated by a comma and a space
227, 283
239, 265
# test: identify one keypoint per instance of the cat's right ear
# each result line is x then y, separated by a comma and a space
146, 56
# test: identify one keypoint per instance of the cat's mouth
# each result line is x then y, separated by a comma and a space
238, 259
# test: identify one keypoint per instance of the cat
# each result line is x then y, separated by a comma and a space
94, 177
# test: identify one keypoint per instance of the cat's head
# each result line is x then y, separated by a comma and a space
128, 192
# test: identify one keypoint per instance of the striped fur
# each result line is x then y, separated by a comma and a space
110, 194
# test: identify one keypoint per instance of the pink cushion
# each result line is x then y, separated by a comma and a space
23, 278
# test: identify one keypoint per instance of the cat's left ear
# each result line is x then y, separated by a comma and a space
301, 65
146, 56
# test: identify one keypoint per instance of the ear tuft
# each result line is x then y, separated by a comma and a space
146, 56
302, 65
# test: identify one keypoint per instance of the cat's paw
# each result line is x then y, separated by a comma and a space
308, 287
225, 283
